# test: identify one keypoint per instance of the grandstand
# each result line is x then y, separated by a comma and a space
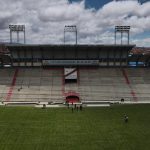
102, 73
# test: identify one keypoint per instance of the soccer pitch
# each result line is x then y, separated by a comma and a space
28, 128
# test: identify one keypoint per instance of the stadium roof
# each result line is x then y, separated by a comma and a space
69, 45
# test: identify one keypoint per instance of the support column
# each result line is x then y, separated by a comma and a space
128, 37
76, 38
17, 36
121, 37
10, 36
24, 36
114, 55
107, 57
121, 57
115, 37
127, 62
32, 56
25, 57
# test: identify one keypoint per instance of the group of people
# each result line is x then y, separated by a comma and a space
75, 107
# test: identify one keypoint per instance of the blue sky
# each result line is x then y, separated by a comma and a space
93, 3
99, 3
95, 20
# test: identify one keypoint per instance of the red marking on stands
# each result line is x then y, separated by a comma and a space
72, 93
63, 80
10, 92
133, 94
126, 77
78, 76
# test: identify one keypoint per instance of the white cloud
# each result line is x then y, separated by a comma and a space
143, 42
61, 12
45, 20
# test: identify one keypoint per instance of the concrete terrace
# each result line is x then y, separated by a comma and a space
102, 84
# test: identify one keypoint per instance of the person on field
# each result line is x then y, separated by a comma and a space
126, 119
77, 108
44, 106
81, 107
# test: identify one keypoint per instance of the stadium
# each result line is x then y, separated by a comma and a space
48, 73
74, 96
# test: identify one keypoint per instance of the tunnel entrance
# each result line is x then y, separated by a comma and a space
72, 98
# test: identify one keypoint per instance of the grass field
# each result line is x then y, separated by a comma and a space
27, 128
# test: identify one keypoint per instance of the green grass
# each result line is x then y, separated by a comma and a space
27, 128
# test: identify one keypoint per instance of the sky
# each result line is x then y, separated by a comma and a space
95, 20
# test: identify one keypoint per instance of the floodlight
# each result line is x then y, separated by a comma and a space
17, 29
122, 29
70, 28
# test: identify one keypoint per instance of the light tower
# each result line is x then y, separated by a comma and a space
121, 30
17, 29
70, 28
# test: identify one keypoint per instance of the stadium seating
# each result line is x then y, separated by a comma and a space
140, 82
6, 76
102, 84
32, 84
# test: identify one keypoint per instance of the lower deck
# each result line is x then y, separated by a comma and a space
93, 84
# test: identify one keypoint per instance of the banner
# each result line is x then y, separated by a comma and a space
70, 73
70, 62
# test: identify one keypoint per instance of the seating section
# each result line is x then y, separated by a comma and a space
140, 82
111, 84
6, 77
102, 84
33, 85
